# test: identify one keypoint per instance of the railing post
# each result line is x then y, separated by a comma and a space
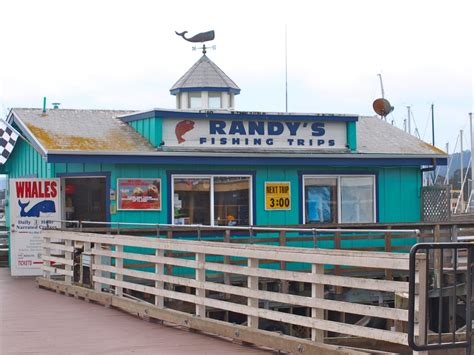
337, 268
159, 271
201, 277
97, 273
169, 268
68, 255
388, 249
317, 292
252, 284
46, 252
437, 256
420, 301
227, 261
118, 265
282, 242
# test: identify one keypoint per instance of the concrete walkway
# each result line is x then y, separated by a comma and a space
37, 321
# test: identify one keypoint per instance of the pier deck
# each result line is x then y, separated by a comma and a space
34, 320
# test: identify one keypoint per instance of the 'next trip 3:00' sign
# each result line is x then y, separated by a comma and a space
277, 196
259, 134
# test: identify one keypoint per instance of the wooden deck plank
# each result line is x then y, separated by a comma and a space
34, 320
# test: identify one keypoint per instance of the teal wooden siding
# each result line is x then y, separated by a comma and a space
351, 136
26, 162
150, 128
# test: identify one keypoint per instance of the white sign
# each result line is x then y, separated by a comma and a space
258, 134
34, 205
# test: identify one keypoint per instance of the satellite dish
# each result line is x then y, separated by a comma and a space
382, 107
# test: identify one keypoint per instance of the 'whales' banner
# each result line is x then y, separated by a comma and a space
34, 205
255, 134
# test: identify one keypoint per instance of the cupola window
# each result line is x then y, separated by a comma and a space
215, 100
195, 100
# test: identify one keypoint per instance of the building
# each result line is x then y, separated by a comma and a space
207, 163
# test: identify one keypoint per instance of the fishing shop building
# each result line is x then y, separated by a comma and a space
207, 163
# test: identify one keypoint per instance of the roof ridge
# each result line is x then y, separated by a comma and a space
219, 71
191, 70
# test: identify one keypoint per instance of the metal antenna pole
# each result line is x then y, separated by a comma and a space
472, 156
381, 86
286, 69
446, 178
432, 124
462, 173
409, 119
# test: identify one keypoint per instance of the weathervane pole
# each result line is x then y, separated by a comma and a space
432, 124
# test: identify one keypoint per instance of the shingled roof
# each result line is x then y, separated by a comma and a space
376, 136
80, 130
205, 74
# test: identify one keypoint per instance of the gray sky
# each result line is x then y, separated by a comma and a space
125, 55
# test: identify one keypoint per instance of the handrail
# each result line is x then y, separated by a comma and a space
246, 228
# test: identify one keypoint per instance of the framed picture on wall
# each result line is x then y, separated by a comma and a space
139, 194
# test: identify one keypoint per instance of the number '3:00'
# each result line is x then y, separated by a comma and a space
280, 202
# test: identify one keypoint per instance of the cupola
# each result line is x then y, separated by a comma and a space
205, 87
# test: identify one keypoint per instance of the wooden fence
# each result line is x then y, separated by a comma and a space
113, 281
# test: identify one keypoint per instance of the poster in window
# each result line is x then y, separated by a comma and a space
318, 199
139, 194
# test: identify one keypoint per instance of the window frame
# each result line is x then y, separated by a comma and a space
338, 193
214, 95
195, 95
211, 192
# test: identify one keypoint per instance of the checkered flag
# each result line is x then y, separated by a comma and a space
8, 137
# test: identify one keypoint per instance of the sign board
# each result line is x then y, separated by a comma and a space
277, 196
139, 194
34, 205
256, 134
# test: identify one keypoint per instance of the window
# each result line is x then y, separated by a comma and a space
339, 199
212, 200
321, 200
357, 199
195, 100
215, 100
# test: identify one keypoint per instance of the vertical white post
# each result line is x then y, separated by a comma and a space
119, 265
317, 291
68, 255
96, 260
420, 303
205, 100
252, 284
46, 252
201, 276
159, 271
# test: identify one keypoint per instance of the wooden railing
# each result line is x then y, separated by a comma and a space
367, 237
206, 293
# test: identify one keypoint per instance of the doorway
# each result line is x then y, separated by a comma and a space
85, 198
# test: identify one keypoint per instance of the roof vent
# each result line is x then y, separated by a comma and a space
56, 105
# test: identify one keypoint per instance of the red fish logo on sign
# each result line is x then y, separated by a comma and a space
182, 128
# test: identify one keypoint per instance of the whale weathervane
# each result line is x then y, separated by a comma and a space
199, 38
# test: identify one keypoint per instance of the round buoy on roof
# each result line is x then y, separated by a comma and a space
382, 107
